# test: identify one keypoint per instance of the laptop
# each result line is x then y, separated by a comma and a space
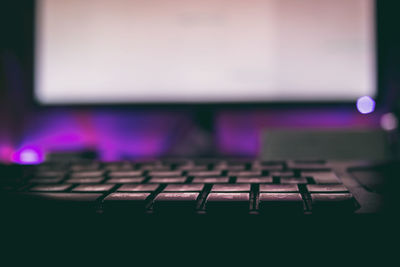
202, 57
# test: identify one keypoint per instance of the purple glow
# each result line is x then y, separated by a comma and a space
239, 132
28, 155
119, 135
365, 105
6, 153
113, 134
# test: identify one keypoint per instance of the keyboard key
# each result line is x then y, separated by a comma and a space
52, 166
51, 188
217, 180
138, 188
267, 166
239, 161
233, 165
65, 197
137, 197
93, 188
184, 187
178, 202
86, 174
204, 173
149, 162
322, 177
231, 188
125, 180
125, 203
332, 203
282, 173
50, 174
228, 202
192, 167
158, 168
118, 166
45, 180
314, 188
283, 203
293, 180
160, 180
154, 166
124, 174
165, 173
229, 167
254, 180
268, 163
94, 180
244, 173
85, 166
278, 188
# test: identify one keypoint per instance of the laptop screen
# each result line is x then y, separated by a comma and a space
209, 51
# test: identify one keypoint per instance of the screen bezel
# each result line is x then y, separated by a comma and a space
216, 105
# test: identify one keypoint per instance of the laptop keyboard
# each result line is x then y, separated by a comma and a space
191, 187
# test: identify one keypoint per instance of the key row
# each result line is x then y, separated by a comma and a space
325, 177
214, 202
274, 188
223, 202
180, 180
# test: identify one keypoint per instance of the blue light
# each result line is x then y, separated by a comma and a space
28, 156
365, 105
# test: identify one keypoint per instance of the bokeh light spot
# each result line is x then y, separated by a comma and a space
28, 156
365, 105
389, 122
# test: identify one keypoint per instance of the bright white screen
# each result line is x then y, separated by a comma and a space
134, 51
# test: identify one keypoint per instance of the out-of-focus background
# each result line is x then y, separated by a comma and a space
28, 132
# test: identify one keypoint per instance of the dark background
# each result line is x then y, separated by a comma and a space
126, 132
